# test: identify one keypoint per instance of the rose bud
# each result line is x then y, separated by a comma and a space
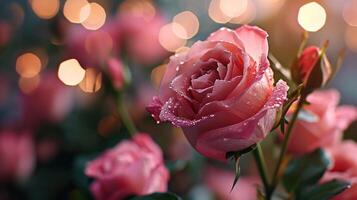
220, 182
17, 156
221, 92
344, 167
328, 123
133, 167
311, 68
116, 73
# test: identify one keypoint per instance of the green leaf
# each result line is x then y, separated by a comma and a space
158, 196
324, 191
305, 170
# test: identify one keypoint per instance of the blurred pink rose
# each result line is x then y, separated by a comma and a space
306, 62
221, 92
5, 33
220, 182
332, 120
116, 72
344, 167
16, 156
131, 168
93, 48
49, 102
141, 37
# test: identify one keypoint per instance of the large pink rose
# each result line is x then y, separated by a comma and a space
220, 183
344, 167
16, 156
131, 168
331, 121
221, 92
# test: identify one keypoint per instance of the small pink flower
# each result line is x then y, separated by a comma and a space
328, 128
344, 167
17, 156
220, 182
131, 168
116, 73
221, 92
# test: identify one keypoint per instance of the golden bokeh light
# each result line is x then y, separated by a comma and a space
350, 12
233, 8
189, 22
157, 73
96, 17
27, 85
45, 9
76, 11
216, 14
70, 72
138, 8
312, 17
92, 81
28, 65
168, 39
247, 16
350, 38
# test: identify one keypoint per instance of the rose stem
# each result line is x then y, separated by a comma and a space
123, 112
260, 161
286, 143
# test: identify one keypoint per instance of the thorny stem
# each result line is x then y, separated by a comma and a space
284, 147
260, 162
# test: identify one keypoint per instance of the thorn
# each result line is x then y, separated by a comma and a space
237, 171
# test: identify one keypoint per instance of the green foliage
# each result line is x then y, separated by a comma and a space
302, 176
324, 191
158, 196
305, 170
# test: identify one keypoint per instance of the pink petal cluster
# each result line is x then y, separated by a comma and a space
221, 92
131, 168
17, 156
220, 182
327, 130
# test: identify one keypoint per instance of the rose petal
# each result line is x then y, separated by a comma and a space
226, 35
254, 40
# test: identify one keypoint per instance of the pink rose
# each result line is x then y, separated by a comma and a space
93, 48
141, 36
221, 92
16, 156
116, 72
131, 168
344, 167
306, 62
220, 183
328, 128
49, 102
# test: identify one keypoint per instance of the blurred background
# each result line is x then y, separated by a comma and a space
58, 92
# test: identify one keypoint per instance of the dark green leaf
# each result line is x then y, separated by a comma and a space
324, 191
305, 170
158, 196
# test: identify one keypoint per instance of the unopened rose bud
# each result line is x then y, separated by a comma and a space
312, 68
